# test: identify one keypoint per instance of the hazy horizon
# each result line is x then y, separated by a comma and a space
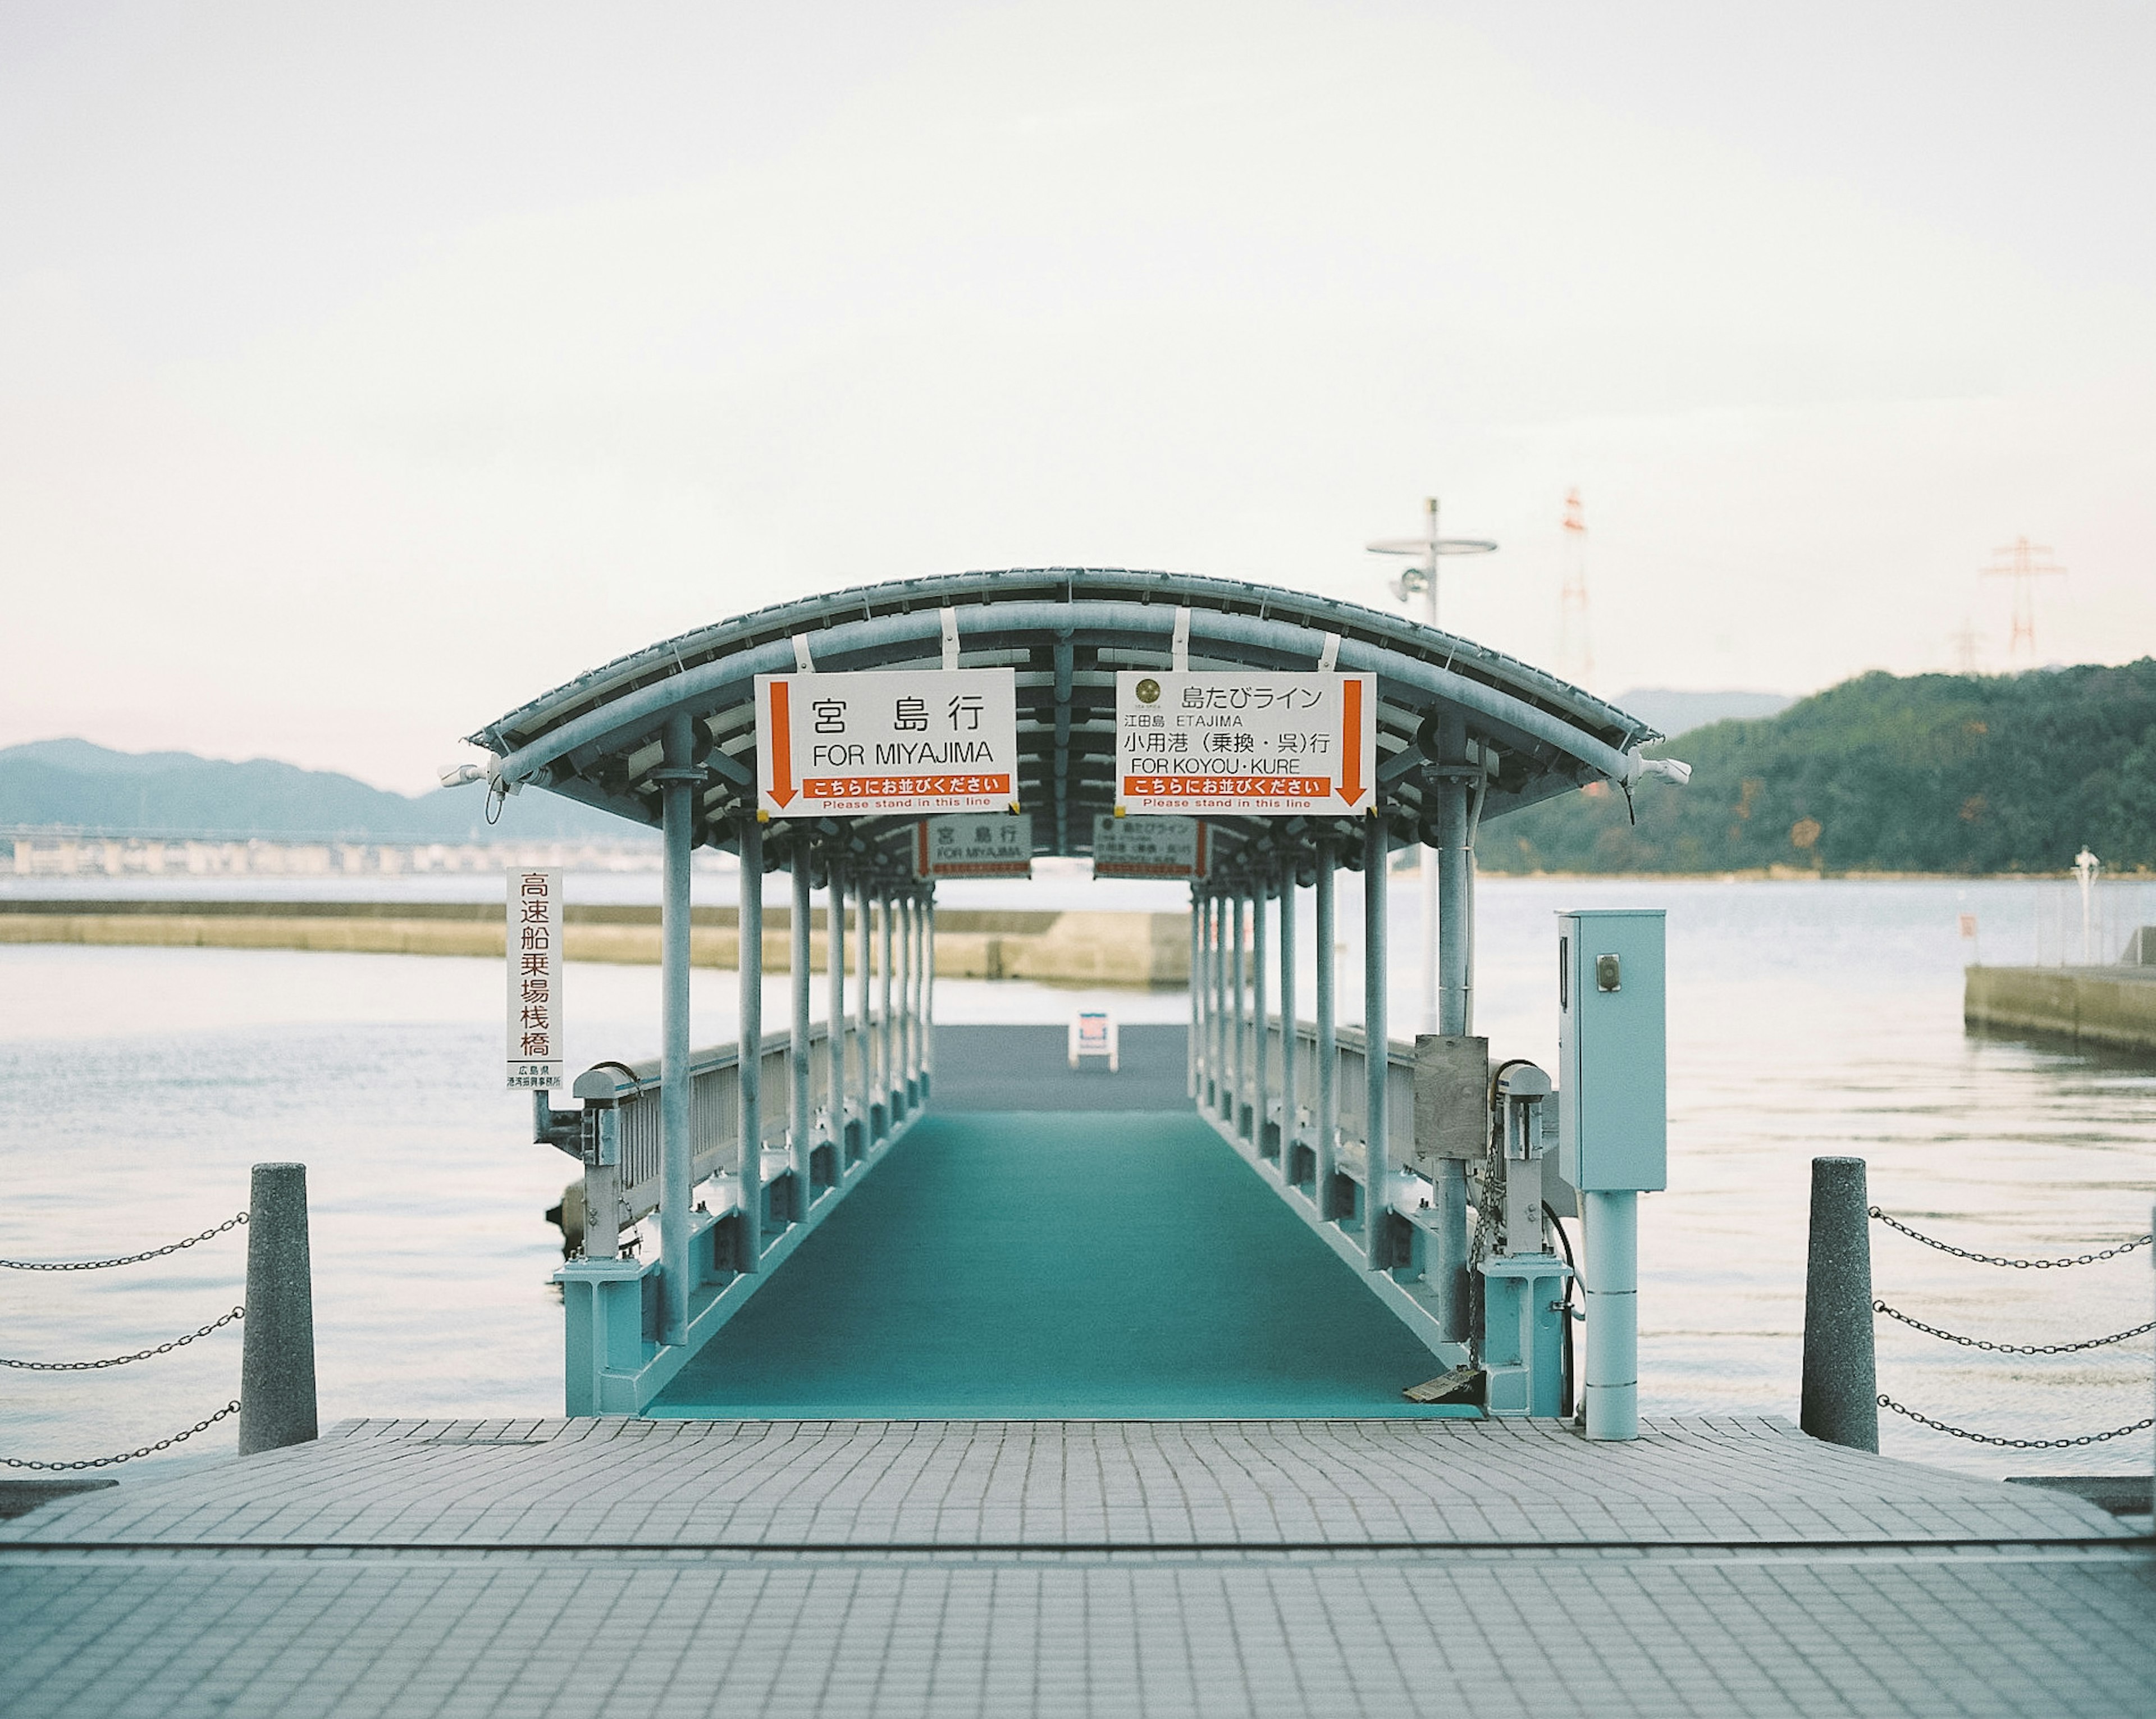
365, 372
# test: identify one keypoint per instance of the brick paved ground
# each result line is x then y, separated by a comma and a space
628, 1567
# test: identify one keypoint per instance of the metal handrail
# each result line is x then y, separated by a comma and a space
714, 1108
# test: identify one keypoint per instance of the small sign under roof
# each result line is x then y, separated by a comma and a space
985, 844
1148, 848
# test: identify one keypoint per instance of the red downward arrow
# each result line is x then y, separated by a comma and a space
781, 745
1351, 742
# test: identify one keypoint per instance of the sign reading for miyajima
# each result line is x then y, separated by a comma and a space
1148, 848
925, 741
1246, 742
987, 844
536, 1053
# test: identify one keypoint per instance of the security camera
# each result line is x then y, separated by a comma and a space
455, 775
1669, 768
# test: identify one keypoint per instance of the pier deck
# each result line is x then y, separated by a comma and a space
630, 1567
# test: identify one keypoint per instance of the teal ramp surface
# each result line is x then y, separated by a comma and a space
1047, 1265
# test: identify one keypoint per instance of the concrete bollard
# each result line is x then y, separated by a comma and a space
1841, 1375
277, 1364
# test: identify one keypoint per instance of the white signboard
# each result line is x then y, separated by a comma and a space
987, 844
924, 741
1245, 742
535, 978
1148, 848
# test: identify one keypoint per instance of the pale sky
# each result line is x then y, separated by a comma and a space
366, 370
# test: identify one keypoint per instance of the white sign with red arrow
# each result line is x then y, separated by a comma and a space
867, 744
1255, 743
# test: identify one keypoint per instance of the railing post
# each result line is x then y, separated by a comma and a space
277, 1354
678, 783
749, 1067
1841, 1398
834, 992
1290, 1037
1323, 1148
1377, 1047
1261, 1093
805, 1137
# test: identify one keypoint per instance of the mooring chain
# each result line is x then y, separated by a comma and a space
1925, 1420
106, 1462
1997, 1260
2141, 1331
87, 1366
207, 1235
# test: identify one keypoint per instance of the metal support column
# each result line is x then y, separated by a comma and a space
1377, 1060
928, 990
799, 1122
1451, 797
1193, 1058
677, 809
892, 1081
1261, 1084
1447, 1271
1291, 1038
835, 1008
1328, 1055
1238, 979
749, 1072
1609, 1391
864, 1036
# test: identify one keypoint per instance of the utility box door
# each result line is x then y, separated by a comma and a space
1613, 1082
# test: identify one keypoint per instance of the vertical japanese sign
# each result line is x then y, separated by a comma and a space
974, 845
1246, 742
1148, 848
536, 1052
920, 742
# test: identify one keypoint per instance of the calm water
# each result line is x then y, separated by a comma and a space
137, 1085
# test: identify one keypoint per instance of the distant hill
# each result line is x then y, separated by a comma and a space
1679, 712
1930, 773
75, 783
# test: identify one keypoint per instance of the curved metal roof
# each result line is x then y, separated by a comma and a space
1065, 631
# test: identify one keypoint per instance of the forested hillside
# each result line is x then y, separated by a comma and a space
71, 783
1931, 772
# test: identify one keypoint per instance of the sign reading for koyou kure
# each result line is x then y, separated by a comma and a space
919, 742
984, 844
536, 1054
1245, 742
1148, 848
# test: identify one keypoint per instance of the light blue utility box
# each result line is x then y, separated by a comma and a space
1613, 1062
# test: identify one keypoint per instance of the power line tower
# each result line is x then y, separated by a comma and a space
2020, 562
1575, 643
1964, 641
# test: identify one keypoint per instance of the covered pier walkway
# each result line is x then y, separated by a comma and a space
1029, 1251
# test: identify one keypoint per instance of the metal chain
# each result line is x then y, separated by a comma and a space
86, 1366
106, 1462
1996, 1259
131, 1259
2014, 1348
1925, 1420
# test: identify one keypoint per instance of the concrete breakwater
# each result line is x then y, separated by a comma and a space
1054, 948
2114, 1006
